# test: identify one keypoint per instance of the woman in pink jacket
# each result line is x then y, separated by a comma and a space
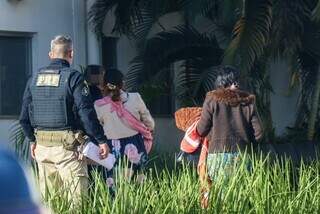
127, 124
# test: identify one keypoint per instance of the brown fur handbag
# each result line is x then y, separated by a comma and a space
184, 117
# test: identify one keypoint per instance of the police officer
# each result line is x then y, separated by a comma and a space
54, 97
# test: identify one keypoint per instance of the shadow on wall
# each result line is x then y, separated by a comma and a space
283, 100
167, 135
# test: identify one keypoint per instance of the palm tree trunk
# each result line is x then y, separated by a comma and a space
314, 108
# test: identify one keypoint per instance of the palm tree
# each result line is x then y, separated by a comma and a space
198, 52
197, 55
246, 33
296, 39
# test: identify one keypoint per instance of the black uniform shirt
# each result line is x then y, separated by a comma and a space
95, 93
78, 91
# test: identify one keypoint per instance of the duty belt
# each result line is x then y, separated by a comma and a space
67, 138
53, 138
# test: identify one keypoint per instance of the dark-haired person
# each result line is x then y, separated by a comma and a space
230, 121
126, 122
55, 96
94, 77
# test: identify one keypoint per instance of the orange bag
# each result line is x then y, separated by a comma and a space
186, 121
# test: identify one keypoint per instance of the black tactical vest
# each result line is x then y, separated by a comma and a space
49, 99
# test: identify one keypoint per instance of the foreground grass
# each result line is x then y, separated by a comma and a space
266, 188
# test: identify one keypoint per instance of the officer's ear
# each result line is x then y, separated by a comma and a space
50, 54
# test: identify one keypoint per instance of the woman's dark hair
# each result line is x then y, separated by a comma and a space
113, 81
226, 76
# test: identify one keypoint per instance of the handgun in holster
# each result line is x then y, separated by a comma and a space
82, 139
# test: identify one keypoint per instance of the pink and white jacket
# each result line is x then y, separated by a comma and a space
125, 118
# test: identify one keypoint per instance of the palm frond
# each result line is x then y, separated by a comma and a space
294, 65
223, 15
195, 78
220, 31
205, 8
135, 75
167, 47
143, 27
251, 34
98, 13
307, 72
288, 26
181, 43
229, 11
126, 12
259, 84
18, 142
313, 116
316, 12
307, 59
161, 7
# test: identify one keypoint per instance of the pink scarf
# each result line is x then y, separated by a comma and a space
127, 117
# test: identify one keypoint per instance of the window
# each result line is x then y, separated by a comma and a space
15, 67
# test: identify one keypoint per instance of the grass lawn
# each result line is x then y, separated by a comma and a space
266, 188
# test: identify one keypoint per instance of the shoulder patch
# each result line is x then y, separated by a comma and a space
85, 90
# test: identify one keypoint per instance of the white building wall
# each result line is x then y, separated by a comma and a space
44, 18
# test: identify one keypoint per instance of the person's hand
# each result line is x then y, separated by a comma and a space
32, 150
104, 150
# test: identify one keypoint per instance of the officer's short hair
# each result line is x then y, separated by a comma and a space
61, 44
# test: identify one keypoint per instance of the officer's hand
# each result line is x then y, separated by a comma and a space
104, 150
32, 150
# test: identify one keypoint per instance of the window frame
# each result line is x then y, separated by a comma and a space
29, 37
114, 62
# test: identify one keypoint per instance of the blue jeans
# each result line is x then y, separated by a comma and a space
223, 164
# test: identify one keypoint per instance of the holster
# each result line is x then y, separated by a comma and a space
82, 139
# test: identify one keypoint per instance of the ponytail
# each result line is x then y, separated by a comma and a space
115, 95
113, 83
113, 92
